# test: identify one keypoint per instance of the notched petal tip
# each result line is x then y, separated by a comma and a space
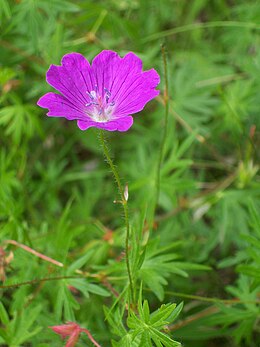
72, 56
105, 57
129, 88
74, 61
59, 106
83, 125
43, 101
152, 77
157, 77
125, 124
135, 62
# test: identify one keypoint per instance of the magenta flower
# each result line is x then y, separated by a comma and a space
102, 95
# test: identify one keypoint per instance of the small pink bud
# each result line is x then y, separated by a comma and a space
73, 330
73, 339
70, 329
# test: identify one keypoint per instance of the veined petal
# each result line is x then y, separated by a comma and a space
129, 68
73, 78
111, 70
59, 106
103, 95
104, 67
136, 92
120, 124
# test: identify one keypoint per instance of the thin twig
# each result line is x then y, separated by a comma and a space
165, 126
180, 120
210, 300
59, 264
21, 52
193, 26
32, 251
37, 280
207, 312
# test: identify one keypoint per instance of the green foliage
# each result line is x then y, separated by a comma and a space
19, 329
199, 243
19, 121
145, 328
159, 265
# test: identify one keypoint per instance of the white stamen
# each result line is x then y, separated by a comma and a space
93, 94
100, 109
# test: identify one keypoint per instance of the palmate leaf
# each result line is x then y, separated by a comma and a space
252, 268
30, 18
115, 321
65, 303
236, 320
148, 327
231, 217
127, 341
195, 105
236, 106
160, 263
19, 121
85, 288
19, 329
145, 329
245, 315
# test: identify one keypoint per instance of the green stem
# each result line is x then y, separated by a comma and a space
166, 116
125, 208
193, 26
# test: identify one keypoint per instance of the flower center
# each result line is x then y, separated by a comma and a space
100, 108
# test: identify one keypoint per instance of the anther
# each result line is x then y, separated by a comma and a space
90, 95
93, 94
92, 103
108, 94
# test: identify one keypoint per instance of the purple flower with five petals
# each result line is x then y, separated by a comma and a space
102, 95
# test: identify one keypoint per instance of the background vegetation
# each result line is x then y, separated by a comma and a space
202, 246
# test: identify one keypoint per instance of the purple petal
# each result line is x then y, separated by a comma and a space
113, 87
120, 124
136, 92
130, 88
110, 70
73, 79
59, 106
104, 68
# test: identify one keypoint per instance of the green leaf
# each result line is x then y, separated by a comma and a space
80, 262
5, 9
3, 315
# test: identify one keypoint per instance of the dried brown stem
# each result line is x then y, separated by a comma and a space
32, 251
209, 311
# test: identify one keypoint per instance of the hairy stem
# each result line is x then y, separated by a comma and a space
125, 208
166, 116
